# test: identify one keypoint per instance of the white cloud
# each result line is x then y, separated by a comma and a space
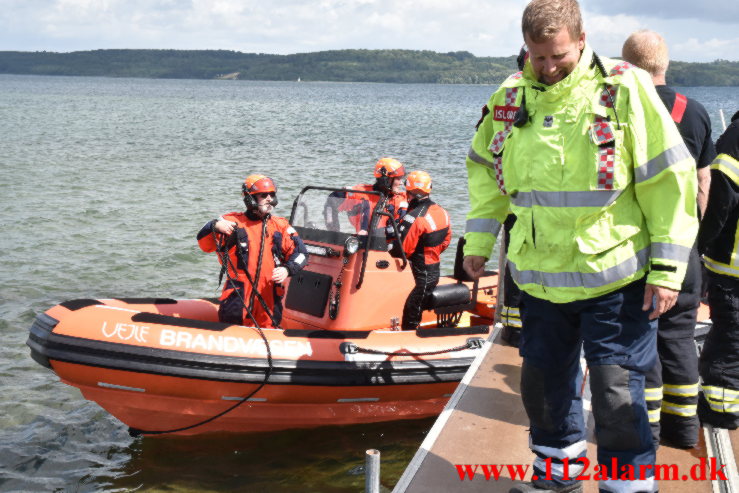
483, 27
726, 11
609, 23
606, 34
719, 48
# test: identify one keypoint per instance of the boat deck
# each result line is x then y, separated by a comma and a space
485, 423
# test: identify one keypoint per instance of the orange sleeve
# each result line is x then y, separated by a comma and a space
414, 233
206, 242
293, 249
448, 238
288, 245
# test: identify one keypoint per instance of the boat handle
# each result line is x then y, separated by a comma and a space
397, 237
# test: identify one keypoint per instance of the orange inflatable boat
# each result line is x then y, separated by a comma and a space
169, 366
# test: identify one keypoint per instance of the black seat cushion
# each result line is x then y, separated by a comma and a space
448, 295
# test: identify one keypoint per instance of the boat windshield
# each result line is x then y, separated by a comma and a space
331, 215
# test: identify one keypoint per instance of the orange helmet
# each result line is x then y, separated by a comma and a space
418, 182
390, 167
258, 184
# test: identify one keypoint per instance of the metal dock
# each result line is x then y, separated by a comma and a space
485, 424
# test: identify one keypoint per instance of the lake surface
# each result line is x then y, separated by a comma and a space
104, 184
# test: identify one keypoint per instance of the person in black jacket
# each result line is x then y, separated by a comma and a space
672, 385
425, 232
719, 360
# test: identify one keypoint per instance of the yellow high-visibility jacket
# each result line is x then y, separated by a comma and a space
601, 183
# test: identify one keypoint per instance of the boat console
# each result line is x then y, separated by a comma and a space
352, 282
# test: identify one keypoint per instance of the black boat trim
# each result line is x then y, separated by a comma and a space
46, 346
79, 304
327, 334
40, 330
453, 331
148, 301
156, 318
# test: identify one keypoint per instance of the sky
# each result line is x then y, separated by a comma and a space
696, 31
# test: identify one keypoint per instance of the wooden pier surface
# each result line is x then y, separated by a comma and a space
485, 423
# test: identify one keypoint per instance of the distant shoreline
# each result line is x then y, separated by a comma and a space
399, 66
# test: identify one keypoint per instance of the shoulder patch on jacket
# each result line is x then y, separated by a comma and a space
507, 112
620, 68
513, 80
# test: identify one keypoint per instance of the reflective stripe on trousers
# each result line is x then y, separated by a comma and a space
551, 378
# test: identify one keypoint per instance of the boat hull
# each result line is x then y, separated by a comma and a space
169, 366
167, 403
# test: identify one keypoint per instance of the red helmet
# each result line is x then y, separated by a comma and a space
418, 182
389, 167
258, 184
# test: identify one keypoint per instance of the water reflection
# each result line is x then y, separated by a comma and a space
327, 459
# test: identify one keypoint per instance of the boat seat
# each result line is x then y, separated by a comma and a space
448, 298
448, 301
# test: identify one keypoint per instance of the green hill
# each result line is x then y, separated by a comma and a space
407, 66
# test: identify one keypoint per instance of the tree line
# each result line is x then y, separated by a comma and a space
404, 66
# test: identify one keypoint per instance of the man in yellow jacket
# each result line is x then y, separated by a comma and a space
583, 152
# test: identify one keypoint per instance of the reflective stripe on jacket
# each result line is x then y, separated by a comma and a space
601, 196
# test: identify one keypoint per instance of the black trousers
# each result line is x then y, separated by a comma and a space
232, 309
719, 360
672, 384
426, 277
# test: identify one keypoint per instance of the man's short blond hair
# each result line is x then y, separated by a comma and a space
647, 50
543, 19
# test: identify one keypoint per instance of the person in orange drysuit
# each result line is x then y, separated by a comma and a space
255, 248
389, 175
425, 232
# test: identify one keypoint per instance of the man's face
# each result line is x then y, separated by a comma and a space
398, 184
555, 58
264, 202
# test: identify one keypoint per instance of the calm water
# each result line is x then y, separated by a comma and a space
104, 184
